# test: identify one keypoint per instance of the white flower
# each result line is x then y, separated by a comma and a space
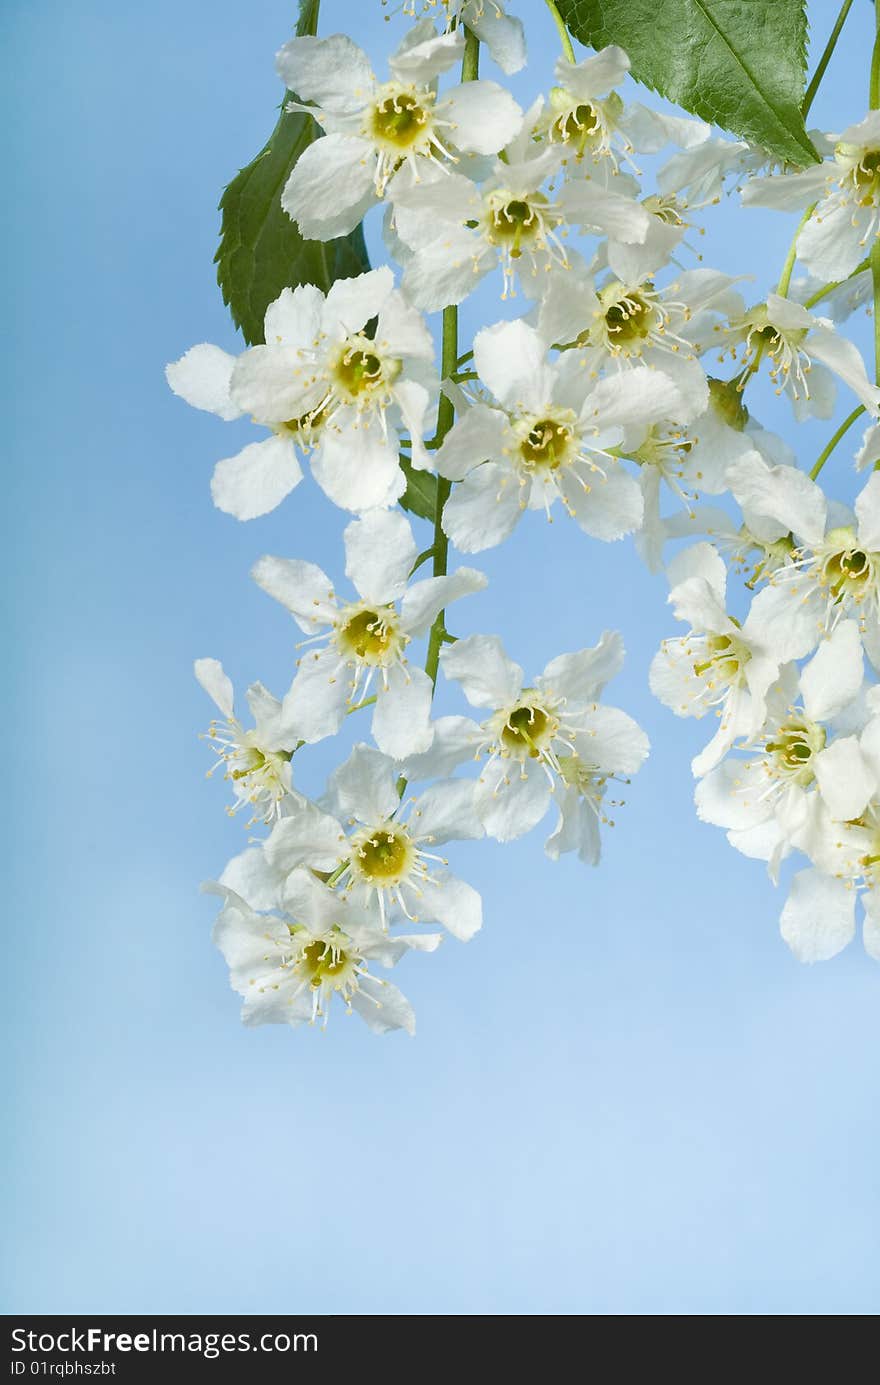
387, 862
773, 798
255, 761
374, 129
720, 665
549, 437
451, 232
325, 381
320, 381
846, 191
364, 637
801, 350
549, 740
834, 572
589, 118
289, 967
639, 324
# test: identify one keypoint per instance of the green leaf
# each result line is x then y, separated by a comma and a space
261, 251
420, 496
737, 63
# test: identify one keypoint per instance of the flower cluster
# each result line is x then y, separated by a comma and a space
604, 399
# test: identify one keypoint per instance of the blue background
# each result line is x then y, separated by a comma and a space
625, 1095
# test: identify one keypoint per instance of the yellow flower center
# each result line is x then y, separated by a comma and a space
383, 856
371, 635
359, 372
399, 119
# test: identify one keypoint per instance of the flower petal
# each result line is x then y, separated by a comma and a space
819, 916
202, 377
217, 684
487, 676
379, 554
256, 480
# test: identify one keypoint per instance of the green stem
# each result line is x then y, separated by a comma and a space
830, 446
470, 68
874, 85
875, 280
567, 47
307, 21
791, 257
817, 76
445, 420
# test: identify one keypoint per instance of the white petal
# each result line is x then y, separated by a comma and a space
478, 436
331, 187
316, 703
781, 619
256, 480
273, 384
612, 507
423, 54
786, 192
611, 741
637, 397
867, 509
357, 468
303, 588
331, 72
845, 359
834, 675
844, 778
310, 837
455, 740
577, 829
501, 33
699, 560
453, 903
508, 357
487, 676
581, 677
511, 799
351, 303
379, 554
593, 76
730, 797
217, 684
425, 600
483, 510
202, 377
819, 916
252, 876
869, 452
446, 812
599, 211
446, 270
780, 493
383, 1007
365, 786
833, 242
485, 117
648, 131
271, 732
402, 715
294, 318
401, 329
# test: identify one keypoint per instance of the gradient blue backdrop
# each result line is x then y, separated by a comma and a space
625, 1096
